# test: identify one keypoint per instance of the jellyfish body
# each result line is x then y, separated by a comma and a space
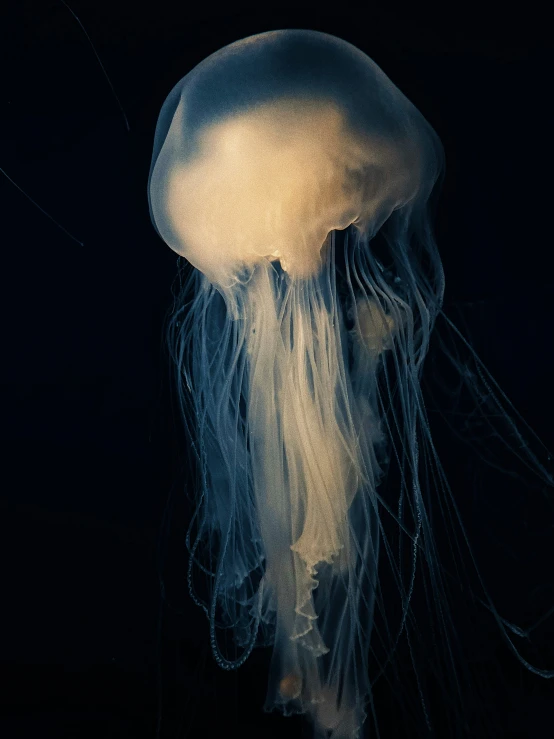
277, 163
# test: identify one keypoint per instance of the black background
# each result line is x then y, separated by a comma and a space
91, 446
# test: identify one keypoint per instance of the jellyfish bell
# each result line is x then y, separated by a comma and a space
283, 166
271, 145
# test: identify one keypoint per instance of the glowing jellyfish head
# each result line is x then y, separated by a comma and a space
274, 142
294, 176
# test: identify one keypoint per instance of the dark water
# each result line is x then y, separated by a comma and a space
91, 446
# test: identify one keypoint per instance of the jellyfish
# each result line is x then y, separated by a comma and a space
297, 181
